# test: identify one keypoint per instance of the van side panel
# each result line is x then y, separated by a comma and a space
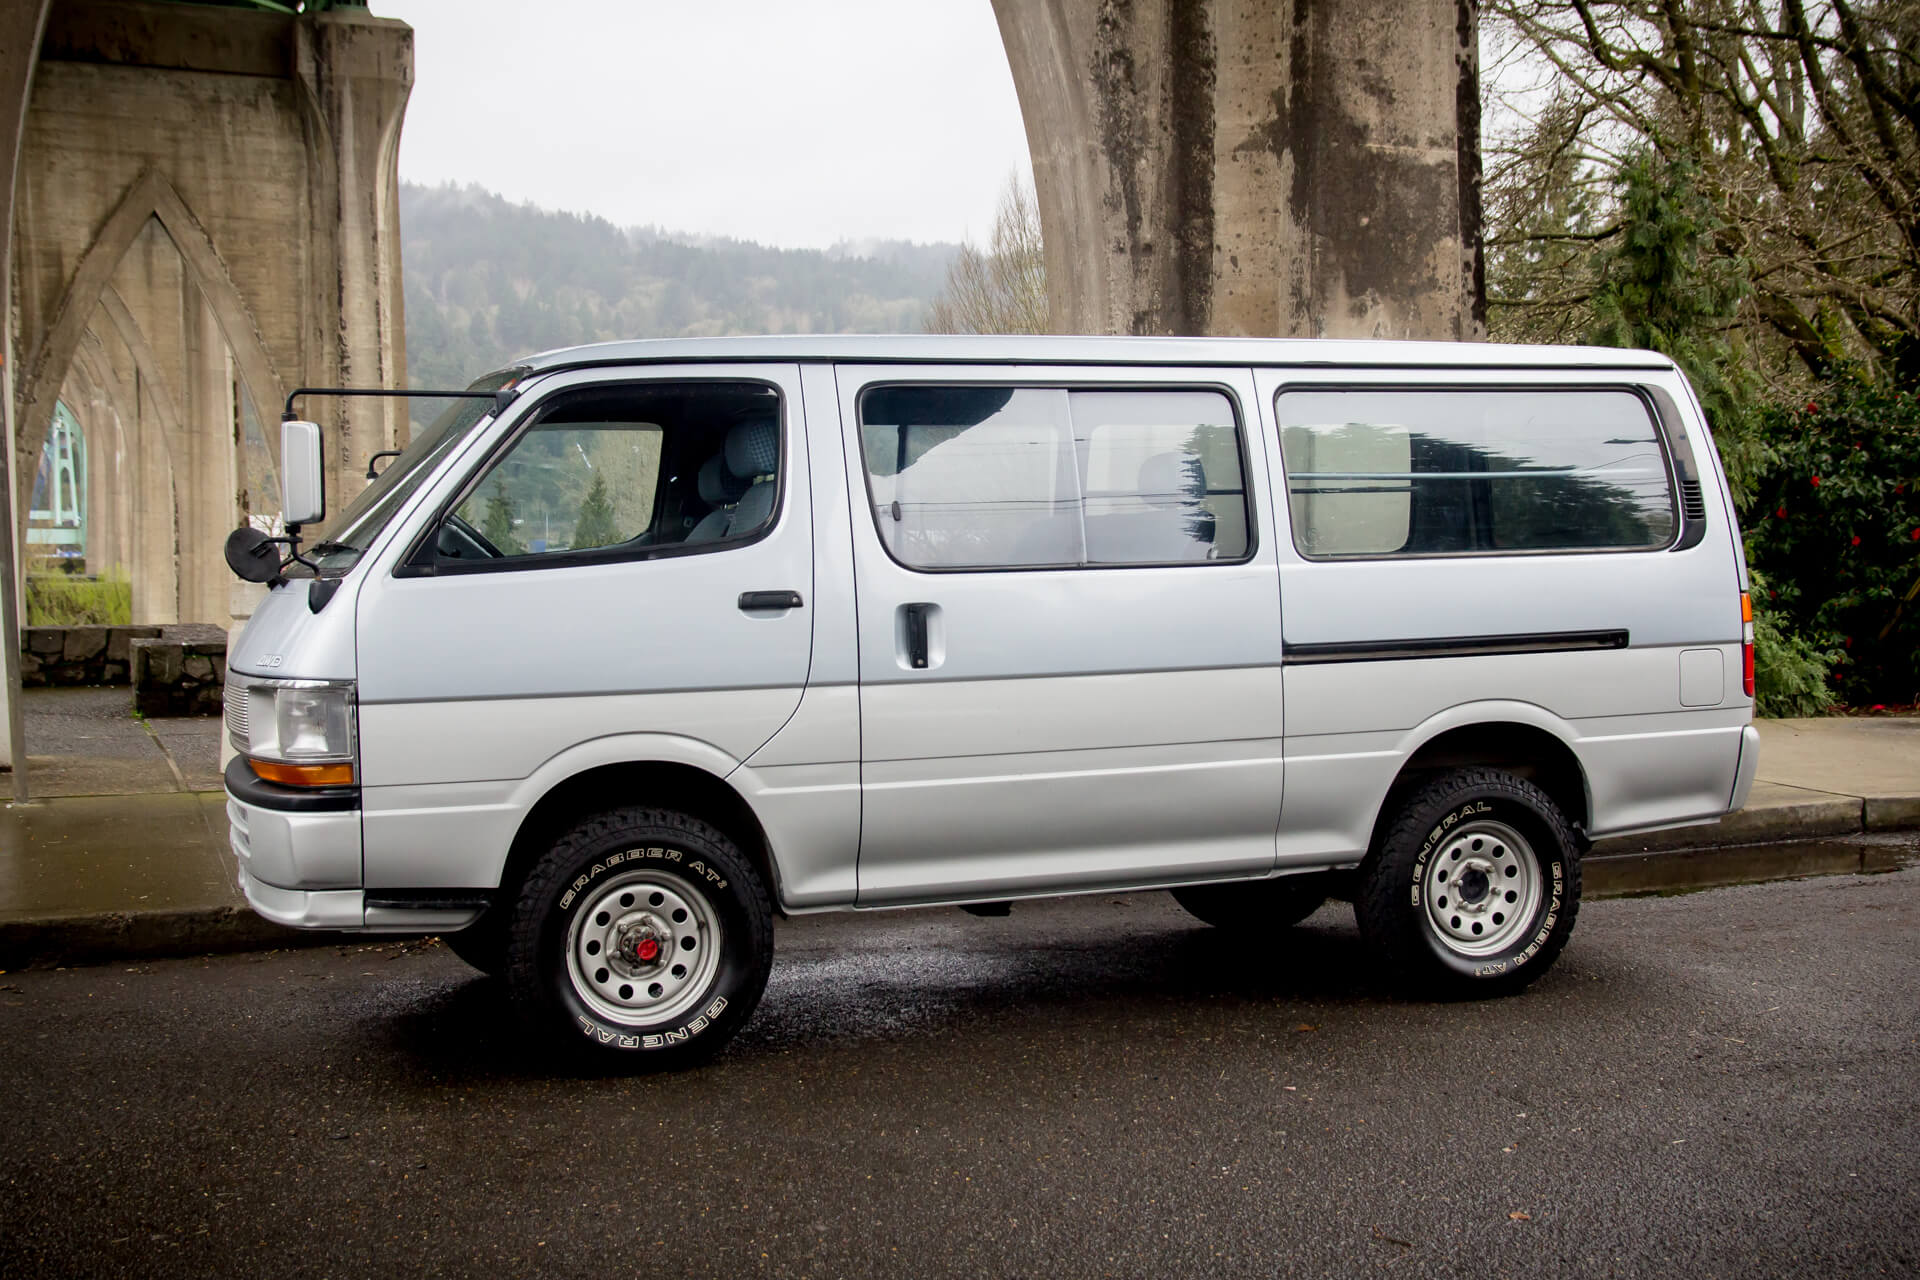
1066, 727
1658, 741
476, 686
804, 784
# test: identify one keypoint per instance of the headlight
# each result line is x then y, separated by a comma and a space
297, 732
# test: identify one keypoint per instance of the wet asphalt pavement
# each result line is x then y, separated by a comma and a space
1721, 1084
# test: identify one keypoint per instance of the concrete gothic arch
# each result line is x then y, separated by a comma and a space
150, 196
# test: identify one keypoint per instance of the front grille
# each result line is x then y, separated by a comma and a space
236, 706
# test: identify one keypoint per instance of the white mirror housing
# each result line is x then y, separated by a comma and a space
303, 487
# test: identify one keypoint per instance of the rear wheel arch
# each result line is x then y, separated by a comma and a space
1524, 750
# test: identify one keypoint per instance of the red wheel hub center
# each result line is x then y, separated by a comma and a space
647, 951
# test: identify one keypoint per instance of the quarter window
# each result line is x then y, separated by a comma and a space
1461, 472
1026, 477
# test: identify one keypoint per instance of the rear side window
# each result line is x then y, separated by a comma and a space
971, 477
1470, 472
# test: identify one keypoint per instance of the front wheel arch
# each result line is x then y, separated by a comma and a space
681, 787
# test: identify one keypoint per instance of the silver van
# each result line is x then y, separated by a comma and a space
643, 643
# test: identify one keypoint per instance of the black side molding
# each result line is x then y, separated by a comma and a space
1295, 655
430, 899
244, 785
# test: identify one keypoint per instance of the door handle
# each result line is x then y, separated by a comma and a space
769, 601
916, 615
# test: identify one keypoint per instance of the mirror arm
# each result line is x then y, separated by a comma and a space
292, 541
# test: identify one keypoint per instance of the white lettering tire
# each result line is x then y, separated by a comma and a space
643, 936
1472, 886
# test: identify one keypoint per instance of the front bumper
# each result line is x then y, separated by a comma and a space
298, 854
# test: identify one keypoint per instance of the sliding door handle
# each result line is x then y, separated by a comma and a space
769, 601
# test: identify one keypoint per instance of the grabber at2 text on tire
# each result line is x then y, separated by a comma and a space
641, 935
1473, 885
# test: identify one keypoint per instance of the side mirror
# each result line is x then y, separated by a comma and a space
252, 555
303, 489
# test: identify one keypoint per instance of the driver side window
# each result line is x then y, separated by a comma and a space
624, 470
569, 488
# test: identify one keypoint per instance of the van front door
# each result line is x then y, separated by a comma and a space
1069, 626
625, 576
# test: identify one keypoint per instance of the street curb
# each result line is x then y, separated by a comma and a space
1625, 875
120, 937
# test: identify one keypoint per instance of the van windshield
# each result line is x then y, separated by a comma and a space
348, 535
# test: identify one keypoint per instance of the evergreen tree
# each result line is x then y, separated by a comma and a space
595, 526
497, 526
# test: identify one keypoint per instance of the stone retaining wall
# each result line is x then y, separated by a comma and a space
181, 672
79, 655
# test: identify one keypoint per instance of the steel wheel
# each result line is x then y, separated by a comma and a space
644, 949
1482, 888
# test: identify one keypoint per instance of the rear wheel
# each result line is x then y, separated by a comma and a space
1251, 906
643, 935
1473, 886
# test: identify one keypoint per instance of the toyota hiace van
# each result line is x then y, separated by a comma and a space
641, 644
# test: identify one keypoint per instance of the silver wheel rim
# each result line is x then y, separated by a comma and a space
643, 948
1482, 888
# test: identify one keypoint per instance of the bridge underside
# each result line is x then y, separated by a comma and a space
1308, 169
204, 217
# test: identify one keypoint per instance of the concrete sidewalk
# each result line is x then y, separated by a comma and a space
125, 856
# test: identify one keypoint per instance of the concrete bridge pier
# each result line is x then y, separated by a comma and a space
204, 215
1242, 167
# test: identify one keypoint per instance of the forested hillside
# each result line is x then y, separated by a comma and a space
487, 280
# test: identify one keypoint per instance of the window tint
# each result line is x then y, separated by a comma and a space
659, 465
1437, 472
977, 477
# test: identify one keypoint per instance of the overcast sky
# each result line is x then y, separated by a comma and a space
790, 122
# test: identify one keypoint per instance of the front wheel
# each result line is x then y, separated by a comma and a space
1473, 886
643, 935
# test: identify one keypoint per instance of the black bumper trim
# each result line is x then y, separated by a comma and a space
244, 785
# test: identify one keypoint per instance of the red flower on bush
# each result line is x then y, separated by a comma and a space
1782, 513
1816, 482
1812, 407
1856, 539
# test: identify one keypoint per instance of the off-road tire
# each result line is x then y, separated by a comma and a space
1254, 906
567, 972
1495, 835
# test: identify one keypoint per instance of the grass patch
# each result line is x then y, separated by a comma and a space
68, 600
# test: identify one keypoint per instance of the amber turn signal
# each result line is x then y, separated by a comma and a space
303, 775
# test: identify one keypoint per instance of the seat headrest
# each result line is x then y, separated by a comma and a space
753, 449
718, 487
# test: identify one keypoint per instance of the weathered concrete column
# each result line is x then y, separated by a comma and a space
355, 72
1236, 167
21, 22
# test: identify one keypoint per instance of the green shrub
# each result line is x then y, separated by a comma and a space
1833, 533
1790, 672
68, 600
